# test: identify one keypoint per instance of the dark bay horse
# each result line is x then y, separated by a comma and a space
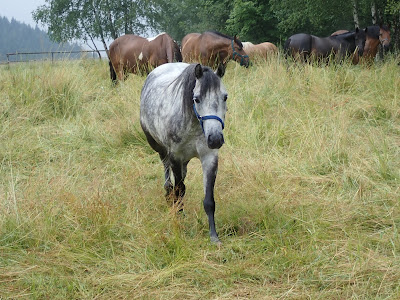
212, 48
134, 54
182, 113
263, 50
375, 36
306, 46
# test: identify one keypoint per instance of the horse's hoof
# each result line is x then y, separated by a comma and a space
215, 240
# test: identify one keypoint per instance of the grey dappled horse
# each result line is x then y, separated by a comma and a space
182, 113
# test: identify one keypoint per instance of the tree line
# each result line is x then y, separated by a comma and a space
253, 20
16, 36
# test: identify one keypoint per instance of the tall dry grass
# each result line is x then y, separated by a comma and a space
307, 191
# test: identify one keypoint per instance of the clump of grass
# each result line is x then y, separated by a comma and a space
306, 193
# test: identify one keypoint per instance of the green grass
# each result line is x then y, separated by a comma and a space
307, 191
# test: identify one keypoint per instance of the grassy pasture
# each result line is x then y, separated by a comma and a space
307, 192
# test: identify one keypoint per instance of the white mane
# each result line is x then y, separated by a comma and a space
154, 37
247, 45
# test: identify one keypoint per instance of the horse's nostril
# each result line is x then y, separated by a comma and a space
215, 141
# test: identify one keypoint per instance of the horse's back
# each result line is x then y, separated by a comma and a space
125, 44
190, 46
341, 31
260, 50
165, 74
270, 47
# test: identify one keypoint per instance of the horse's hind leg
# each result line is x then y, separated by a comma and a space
167, 175
165, 160
179, 170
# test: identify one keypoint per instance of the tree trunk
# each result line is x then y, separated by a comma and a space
373, 13
96, 15
355, 14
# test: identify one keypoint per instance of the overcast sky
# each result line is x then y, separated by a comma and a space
21, 10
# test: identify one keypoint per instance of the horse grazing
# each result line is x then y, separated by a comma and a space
306, 46
263, 50
213, 48
134, 54
182, 113
375, 36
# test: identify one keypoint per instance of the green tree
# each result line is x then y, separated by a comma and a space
180, 17
318, 17
253, 20
88, 20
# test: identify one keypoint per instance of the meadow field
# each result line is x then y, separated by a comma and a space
307, 192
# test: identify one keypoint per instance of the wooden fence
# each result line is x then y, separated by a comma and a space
49, 53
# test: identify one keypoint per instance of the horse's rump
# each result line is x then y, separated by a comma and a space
262, 50
135, 54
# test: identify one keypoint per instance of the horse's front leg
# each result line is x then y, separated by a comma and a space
209, 164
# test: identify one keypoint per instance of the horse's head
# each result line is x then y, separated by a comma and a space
238, 54
359, 39
384, 36
209, 104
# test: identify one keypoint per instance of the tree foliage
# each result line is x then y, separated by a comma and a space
252, 20
89, 20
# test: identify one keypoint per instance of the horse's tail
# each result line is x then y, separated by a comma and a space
177, 52
286, 47
113, 75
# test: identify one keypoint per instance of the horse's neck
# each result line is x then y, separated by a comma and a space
220, 48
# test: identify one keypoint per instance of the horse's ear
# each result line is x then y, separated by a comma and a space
366, 29
357, 29
198, 71
220, 71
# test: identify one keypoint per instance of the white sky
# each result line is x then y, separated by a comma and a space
20, 10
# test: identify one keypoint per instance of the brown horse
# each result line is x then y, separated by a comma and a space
375, 36
213, 48
263, 50
134, 54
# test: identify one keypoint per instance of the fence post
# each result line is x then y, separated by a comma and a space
52, 56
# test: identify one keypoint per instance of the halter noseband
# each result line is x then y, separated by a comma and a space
381, 41
203, 118
242, 57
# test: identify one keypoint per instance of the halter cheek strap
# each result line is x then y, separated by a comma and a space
203, 118
242, 57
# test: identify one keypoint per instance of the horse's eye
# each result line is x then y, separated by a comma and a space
225, 97
197, 100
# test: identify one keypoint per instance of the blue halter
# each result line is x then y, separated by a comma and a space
242, 57
210, 117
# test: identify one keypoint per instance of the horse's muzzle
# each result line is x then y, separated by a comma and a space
386, 47
215, 141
